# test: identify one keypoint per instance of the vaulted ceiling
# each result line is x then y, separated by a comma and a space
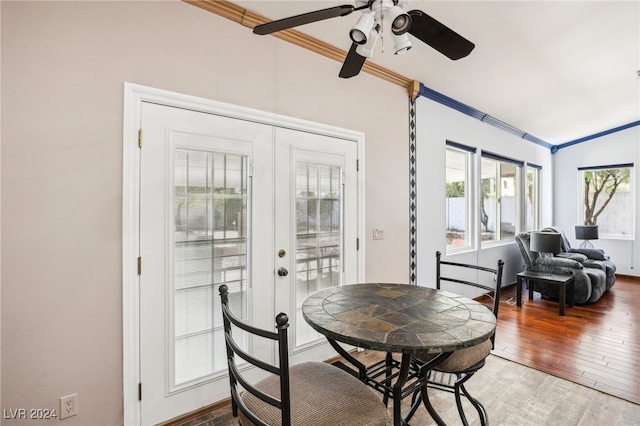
558, 70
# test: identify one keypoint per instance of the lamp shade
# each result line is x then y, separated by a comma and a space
546, 242
360, 32
586, 232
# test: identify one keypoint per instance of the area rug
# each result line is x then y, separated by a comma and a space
514, 395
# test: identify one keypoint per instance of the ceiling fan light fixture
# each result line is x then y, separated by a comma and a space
360, 31
400, 20
366, 50
401, 44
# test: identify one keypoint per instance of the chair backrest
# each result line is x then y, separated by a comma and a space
454, 272
235, 375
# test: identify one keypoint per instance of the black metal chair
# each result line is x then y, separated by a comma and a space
310, 393
452, 373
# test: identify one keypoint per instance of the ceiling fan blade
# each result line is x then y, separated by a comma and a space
305, 18
352, 63
439, 36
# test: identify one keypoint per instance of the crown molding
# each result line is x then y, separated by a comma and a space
600, 134
249, 19
414, 88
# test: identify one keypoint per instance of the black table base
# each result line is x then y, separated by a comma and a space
397, 379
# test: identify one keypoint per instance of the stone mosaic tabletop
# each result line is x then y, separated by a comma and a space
398, 318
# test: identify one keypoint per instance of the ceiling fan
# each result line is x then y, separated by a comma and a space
371, 27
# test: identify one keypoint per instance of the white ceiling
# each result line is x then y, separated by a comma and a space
558, 70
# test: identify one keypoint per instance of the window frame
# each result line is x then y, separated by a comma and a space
501, 161
536, 170
469, 198
603, 234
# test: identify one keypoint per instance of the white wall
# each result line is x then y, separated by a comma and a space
435, 125
64, 66
616, 148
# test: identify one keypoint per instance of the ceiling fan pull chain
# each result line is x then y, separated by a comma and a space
382, 37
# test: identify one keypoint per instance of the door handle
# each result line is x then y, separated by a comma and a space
283, 272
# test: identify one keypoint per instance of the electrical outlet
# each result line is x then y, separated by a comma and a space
68, 406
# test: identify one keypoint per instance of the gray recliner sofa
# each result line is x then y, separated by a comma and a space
589, 257
590, 283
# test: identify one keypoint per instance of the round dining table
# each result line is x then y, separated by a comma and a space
397, 318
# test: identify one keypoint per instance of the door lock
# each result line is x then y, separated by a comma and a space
282, 253
283, 272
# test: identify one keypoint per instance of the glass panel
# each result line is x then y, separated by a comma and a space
457, 206
607, 201
210, 250
532, 191
500, 205
508, 193
318, 236
488, 199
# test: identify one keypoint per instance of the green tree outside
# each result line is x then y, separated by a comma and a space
599, 187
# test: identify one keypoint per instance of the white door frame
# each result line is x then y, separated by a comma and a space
134, 95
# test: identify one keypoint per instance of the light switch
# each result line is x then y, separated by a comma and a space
378, 234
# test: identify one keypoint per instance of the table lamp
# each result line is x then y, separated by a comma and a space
546, 242
586, 233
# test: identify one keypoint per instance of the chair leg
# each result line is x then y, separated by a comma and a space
482, 412
429, 407
459, 404
234, 408
416, 400
458, 387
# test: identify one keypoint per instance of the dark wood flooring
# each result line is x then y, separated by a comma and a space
596, 345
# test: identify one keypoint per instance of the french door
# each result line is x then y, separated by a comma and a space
269, 211
316, 221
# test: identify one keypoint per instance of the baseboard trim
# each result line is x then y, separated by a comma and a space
630, 277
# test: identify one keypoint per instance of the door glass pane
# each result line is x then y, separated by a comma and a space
210, 250
318, 236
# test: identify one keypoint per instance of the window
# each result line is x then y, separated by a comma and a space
606, 199
459, 196
494, 209
499, 197
532, 198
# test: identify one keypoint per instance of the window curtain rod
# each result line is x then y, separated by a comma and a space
610, 166
461, 146
497, 157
